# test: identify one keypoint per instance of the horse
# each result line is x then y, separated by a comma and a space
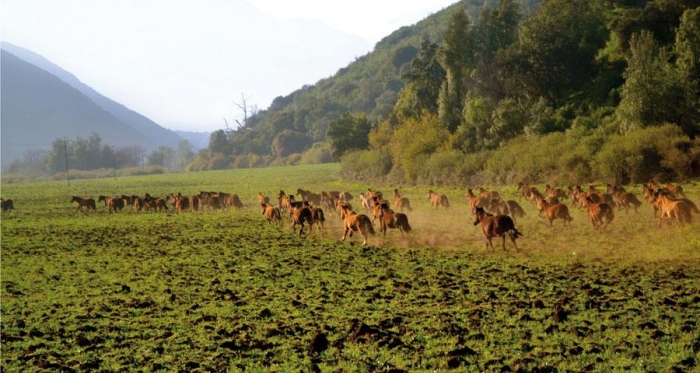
496, 226
528, 192
84, 202
510, 208
542, 203
301, 216
235, 201
114, 204
194, 203
353, 222
679, 208
437, 200
313, 198
555, 211
676, 190
400, 202
489, 194
6, 204
155, 204
623, 200
554, 192
182, 203
263, 199
600, 213
366, 202
317, 216
272, 214
476, 201
394, 220
210, 199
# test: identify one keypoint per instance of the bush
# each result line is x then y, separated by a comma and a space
319, 153
365, 165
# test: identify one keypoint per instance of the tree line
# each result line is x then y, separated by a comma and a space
81, 154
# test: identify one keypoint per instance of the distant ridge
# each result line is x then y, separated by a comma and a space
42, 102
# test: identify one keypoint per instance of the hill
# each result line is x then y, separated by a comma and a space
42, 102
369, 85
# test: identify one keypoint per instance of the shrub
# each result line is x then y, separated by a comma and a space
365, 165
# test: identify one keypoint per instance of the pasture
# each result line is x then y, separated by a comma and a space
226, 291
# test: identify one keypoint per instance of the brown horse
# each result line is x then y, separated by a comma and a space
353, 222
263, 199
272, 214
84, 203
496, 226
313, 198
400, 202
555, 211
624, 200
6, 204
600, 213
302, 216
679, 208
318, 217
477, 201
366, 202
437, 200
394, 220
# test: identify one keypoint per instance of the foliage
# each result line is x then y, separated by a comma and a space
365, 165
349, 132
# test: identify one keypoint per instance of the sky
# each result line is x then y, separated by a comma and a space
189, 64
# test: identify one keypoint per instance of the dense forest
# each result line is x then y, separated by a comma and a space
495, 91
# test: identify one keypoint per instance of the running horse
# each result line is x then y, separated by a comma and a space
496, 226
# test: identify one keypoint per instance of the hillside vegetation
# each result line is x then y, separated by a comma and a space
557, 91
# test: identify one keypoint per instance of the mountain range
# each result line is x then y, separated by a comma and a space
41, 102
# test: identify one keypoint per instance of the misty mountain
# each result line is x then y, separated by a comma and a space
42, 102
198, 140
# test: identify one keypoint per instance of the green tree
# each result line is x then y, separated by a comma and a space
422, 84
653, 90
289, 142
556, 52
218, 143
349, 132
687, 52
163, 156
457, 58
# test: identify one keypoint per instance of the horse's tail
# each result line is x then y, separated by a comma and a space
276, 214
402, 221
693, 206
365, 224
321, 216
636, 202
514, 233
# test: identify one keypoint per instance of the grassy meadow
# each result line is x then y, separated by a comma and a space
225, 291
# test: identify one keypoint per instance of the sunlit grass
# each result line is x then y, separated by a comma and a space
225, 291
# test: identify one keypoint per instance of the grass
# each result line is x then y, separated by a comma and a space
224, 291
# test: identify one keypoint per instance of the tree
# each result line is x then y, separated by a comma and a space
183, 155
163, 156
556, 51
348, 133
457, 58
422, 84
653, 90
289, 142
218, 143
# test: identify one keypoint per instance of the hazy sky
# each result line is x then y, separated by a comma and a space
184, 63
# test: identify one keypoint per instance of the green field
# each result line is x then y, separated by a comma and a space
225, 291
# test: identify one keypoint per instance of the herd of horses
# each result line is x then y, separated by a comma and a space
497, 216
